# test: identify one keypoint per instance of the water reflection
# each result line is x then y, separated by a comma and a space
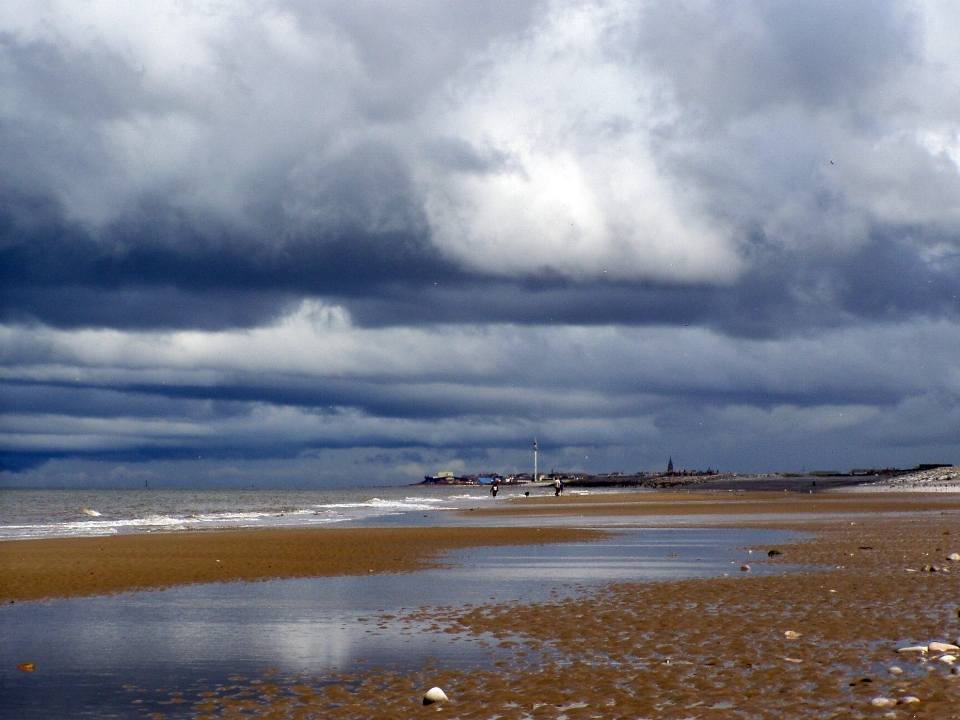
87, 649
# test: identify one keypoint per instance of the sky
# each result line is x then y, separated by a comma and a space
267, 243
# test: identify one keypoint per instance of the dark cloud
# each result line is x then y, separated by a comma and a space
396, 236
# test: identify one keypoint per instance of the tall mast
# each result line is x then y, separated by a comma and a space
535, 478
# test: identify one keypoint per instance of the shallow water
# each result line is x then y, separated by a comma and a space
188, 639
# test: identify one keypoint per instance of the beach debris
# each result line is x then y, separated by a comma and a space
913, 649
88, 511
882, 702
434, 695
953, 557
26, 667
796, 661
745, 568
894, 670
774, 552
942, 647
791, 634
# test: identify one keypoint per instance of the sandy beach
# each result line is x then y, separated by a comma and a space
60, 568
818, 639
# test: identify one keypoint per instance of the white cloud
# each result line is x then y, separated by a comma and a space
575, 186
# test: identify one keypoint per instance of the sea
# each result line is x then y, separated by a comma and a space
159, 653
29, 514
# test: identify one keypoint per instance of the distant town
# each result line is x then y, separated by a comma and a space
668, 478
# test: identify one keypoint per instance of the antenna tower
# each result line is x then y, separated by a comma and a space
535, 478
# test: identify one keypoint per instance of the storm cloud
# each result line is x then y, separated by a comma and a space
344, 242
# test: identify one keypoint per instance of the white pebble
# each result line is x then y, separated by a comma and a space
913, 648
954, 557
909, 700
942, 647
434, 695
895, 670
948, 659
882, 702
791, 635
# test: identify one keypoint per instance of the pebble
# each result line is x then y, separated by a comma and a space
948, 659
745, 568
882, 702
913, 648
942, 647
909, 700
895, 670
953, 557
434, 695
791, 635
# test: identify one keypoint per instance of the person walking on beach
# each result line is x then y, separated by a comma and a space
557, 487
494, 487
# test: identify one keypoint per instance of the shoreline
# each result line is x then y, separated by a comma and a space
46, 568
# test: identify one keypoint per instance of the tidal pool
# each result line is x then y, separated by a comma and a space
138, 653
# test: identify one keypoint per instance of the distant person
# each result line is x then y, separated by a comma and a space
557, 487
495, 487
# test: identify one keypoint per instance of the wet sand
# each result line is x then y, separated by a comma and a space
651, 504
59, 568
702, 648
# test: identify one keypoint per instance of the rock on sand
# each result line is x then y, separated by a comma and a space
434, 695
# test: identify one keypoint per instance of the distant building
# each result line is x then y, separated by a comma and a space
670, 465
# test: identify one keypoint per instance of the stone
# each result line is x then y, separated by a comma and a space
745, 568
913, 649
942, 647
791, 634
947, 659
953, 557
774, 553
908, 700
882, 702
434, 695
895, 670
